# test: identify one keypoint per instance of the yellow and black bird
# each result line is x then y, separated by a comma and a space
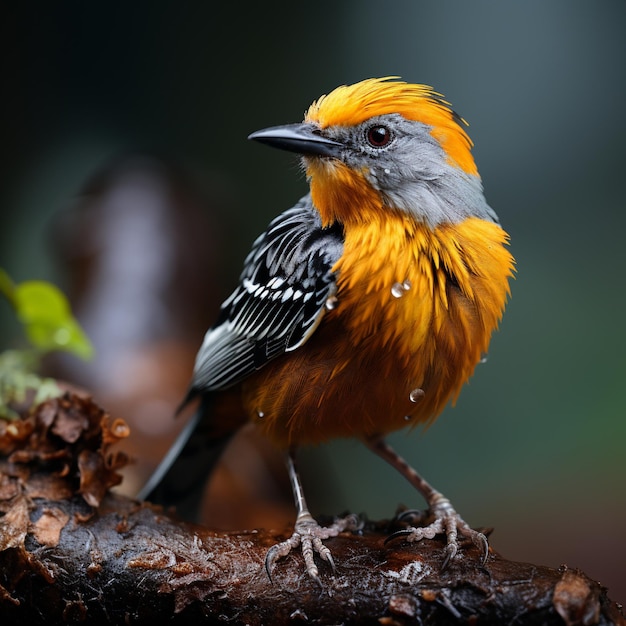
362, 309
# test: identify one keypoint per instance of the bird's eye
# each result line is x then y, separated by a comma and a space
378, 136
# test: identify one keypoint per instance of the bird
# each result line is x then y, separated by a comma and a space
361, 310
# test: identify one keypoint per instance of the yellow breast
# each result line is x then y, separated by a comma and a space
428, 300
402, 280
415, 312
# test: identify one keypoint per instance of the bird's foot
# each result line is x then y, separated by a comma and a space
446, 522
310, 536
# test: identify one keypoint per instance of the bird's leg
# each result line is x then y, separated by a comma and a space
308, 534
446, 520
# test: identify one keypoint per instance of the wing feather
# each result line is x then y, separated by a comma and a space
279, 301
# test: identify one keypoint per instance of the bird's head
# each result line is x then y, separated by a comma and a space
385, 145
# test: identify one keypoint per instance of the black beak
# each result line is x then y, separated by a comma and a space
301, 138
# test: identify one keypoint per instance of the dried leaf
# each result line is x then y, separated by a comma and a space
13, 434
114, 432
575, 601
91, 467
63, 447
14, 524
69, 425
49, 486
47, 529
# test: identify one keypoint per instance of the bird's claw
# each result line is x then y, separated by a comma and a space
310, 536
412, 516
446, 522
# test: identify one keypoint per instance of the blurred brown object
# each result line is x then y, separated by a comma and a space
140, 253
249, 488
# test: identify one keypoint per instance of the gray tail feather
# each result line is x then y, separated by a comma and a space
180, 478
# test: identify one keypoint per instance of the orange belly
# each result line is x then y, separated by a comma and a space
415, 312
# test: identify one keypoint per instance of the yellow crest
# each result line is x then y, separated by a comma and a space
349, 105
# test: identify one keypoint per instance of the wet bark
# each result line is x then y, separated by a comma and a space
70, 551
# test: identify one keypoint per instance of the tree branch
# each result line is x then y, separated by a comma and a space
71, 551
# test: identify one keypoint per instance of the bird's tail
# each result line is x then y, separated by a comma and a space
180, 478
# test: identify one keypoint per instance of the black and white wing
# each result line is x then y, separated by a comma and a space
280, 299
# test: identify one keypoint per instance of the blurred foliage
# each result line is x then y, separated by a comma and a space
46, 315
17, 378
49, 325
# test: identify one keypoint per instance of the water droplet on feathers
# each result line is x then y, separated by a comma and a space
331, 303
416, 395
399, 289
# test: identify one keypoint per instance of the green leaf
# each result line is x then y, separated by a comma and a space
49, 325
46, 315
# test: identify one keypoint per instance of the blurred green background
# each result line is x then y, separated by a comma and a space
536, 444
